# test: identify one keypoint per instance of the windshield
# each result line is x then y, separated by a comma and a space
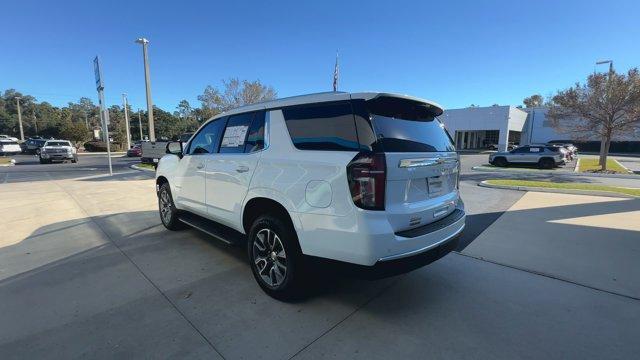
57, 143
408, 126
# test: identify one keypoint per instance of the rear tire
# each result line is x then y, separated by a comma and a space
275, 257
500, 162
546, 163
168, 211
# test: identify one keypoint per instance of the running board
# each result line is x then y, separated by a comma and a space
209, 227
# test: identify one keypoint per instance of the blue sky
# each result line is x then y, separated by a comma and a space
455, 53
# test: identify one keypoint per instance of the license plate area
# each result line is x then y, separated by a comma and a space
438, 185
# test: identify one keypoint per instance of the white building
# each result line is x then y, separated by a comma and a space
538, 129
477, 127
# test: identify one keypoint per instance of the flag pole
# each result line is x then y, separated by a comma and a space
335, 74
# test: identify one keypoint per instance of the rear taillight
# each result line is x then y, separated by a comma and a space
367, 174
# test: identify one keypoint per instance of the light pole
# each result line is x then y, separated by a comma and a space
147, 81
610, 62
20, 118
126, 119
140, 124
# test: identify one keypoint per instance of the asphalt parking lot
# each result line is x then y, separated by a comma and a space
87, 270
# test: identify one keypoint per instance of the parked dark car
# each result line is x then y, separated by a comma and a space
135, 151
33, 145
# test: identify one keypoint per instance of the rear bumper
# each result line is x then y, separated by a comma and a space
371, 241
383, 269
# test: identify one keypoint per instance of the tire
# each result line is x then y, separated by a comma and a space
167, 209
43, 161
546, 163
275, 257
37, 152
500, 162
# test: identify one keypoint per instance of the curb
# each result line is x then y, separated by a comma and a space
622, 166
136, 167
103, 153
558, 191
570, 173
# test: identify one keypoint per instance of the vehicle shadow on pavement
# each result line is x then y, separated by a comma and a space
98, 273
121, 284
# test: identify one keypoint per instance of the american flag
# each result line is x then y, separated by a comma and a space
335, 75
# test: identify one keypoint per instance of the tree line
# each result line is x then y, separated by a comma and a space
77, 120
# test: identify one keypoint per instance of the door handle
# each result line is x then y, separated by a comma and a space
242, 169
200, 166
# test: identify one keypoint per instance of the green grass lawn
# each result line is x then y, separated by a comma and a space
146, 166
574, 186
591, 163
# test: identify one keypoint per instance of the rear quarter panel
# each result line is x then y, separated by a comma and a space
291, 176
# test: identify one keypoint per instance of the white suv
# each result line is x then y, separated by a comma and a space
369, 179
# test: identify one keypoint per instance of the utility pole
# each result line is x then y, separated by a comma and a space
140, 125
147, 81
103, 109
86, 120
126, 119
20, 118
35, 122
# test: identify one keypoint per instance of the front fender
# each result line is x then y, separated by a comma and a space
168, 168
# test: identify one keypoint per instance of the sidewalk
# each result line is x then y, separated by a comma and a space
589, 240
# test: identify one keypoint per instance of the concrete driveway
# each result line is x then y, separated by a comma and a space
86, 270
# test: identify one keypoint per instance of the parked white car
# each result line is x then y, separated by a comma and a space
7, 137
58, 150
367, 179
9, 147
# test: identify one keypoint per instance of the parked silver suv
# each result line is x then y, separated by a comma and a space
545, 157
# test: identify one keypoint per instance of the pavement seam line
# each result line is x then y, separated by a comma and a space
554, 277
175, 307
375, 296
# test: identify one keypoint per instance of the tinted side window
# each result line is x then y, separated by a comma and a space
366, 135
322, 126
235, 133
255, 139
520, 150
208, 138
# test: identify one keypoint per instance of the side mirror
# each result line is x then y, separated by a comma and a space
175, 148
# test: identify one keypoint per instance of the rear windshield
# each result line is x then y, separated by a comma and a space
386, 124
408, 126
